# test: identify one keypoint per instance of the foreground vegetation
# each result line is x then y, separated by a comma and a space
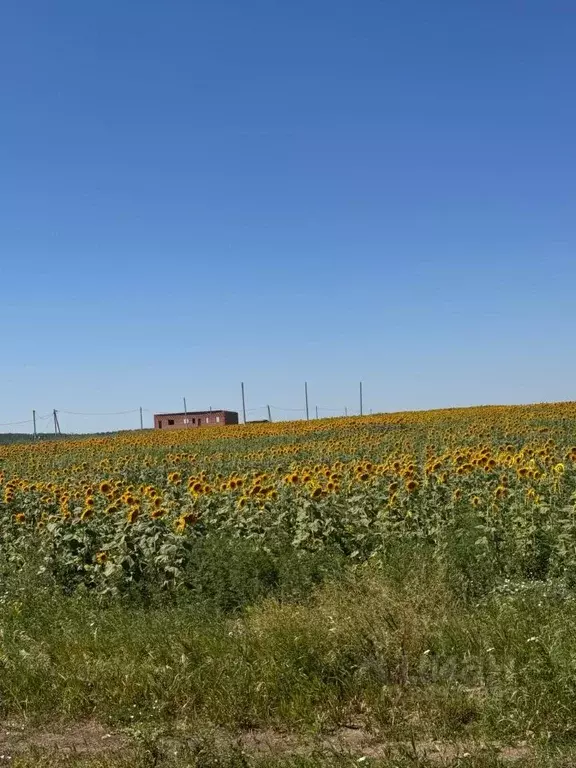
397, 590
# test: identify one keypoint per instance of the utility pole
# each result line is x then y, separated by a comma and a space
345, 411
361, 403
56, 423
185, 412
316, 411
269, 414
34, 420
141, 419
243, 403
306, 398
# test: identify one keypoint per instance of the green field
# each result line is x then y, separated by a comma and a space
393, 590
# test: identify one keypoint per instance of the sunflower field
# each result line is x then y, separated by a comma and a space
492, 490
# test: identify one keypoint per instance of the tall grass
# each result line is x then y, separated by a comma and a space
389, 646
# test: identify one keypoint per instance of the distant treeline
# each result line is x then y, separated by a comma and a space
7, 438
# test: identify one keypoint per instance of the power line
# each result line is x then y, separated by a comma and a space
111, 413
294, 410
16, 423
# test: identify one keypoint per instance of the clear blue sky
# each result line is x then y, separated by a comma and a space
198, 193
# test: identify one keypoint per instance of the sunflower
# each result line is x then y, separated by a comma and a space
411, 485
101, 557
180, 525
317, 493
133, 514
20, 518
105, 487
87, 513
157, 513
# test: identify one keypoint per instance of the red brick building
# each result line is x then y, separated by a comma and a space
194, 419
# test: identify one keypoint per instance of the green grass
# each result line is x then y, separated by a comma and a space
389, 647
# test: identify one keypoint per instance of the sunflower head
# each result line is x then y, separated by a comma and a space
133, 514
174, 478
180, 525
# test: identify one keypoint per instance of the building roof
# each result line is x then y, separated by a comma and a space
195, 413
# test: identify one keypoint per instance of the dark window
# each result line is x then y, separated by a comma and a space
159, 423
193, 421
170, 422
199, 421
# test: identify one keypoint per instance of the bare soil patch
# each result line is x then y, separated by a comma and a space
91, 738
